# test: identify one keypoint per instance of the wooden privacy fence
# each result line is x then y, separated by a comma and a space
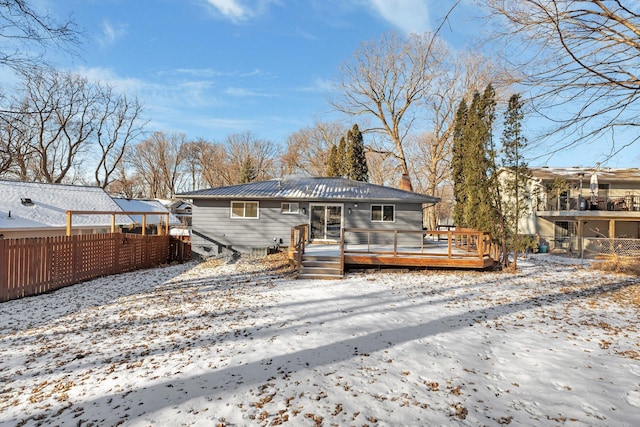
37, 265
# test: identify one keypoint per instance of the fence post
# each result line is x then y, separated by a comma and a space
69, 220
4, 277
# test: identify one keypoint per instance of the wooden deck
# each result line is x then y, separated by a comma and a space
358, 248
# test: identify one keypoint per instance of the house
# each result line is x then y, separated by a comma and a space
261, 214
33, 209
573, 207
180, 208
154, 223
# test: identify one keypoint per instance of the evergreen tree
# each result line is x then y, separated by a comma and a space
457, 163
341, 154
248, 173
517, 173
333, 166
473, 164
356, 161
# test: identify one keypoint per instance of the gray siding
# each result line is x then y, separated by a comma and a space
408, 216
213, 219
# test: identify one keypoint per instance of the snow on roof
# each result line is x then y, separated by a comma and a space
573, 173
30, 205
146, 205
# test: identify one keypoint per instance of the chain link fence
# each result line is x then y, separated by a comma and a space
589, 247
595, 246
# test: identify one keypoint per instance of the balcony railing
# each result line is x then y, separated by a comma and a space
624, 203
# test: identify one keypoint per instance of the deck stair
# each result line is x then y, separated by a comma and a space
321, 267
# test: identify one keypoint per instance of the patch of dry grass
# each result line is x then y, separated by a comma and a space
617, 264
629, 295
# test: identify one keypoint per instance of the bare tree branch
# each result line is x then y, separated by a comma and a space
580, 58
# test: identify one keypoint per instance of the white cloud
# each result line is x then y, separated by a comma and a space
127, 85
241, 10
231, 9
111, 32
242, 92
409, 16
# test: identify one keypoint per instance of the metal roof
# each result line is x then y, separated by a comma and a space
146, 205
312, 188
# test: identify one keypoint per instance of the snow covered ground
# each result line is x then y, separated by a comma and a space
244, 344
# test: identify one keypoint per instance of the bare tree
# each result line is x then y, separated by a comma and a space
127, 183
246, 151
205, 161
58, 113
388, 80
581, 55
119, 122
15, 144
55, 122
308, 149
159, 161
27, 33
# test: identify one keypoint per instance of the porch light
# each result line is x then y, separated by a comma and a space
349, 211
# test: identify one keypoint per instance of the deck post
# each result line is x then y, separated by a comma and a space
449, 238
480, 245
395, 243
342, 251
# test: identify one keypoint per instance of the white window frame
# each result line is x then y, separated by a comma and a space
244, 209
293, 208
382, 213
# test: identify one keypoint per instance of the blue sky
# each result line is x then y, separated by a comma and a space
211, 68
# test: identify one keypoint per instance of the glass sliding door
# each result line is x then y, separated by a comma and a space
326, 222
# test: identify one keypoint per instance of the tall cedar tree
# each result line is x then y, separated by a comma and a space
356, 161
457, 162
337, 165
473, 164
248, 173
480, 213
515, 181
333, 167
340, 156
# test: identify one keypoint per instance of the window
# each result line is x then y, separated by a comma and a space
565, 229
244, 210
290, 208
383, 213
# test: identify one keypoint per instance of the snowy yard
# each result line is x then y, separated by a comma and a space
244, 344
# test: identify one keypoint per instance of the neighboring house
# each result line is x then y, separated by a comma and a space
31, 209
569, 204
154, 223
180, 208
261, 214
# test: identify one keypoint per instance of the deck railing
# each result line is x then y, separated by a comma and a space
299, 238
464, 248
469, 243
